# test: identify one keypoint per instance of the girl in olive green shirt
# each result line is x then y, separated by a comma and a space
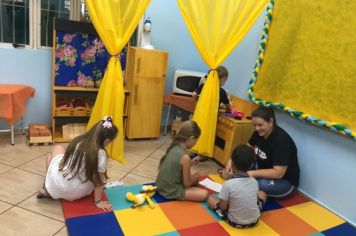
174, 180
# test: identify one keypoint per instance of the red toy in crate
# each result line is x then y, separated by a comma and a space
63, 107
79, 107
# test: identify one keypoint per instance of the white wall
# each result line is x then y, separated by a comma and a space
327, 159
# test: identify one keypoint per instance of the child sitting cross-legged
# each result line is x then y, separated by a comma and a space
174, 179
239, 201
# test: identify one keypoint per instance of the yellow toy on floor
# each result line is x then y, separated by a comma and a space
145, 195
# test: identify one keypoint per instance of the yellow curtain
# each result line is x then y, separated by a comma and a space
115, 21
216, 27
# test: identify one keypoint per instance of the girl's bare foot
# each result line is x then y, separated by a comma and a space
43, 194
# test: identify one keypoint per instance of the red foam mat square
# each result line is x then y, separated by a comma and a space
81, 207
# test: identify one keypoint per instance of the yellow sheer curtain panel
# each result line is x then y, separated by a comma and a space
216, 27
115, 21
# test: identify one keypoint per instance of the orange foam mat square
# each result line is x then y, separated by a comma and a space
285, 222
185, 214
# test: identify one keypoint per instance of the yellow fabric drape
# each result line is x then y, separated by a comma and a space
216, 27
114, 21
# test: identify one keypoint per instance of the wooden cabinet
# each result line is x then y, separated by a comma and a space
145, 81
231, 132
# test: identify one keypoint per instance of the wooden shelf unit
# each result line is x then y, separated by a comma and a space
57, 121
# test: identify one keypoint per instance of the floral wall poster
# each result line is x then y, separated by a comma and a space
81, 59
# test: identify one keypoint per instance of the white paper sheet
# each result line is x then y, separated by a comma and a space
208, 183
113, 184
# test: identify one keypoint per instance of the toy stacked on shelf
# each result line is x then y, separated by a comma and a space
72, 130
73, 107
63, 106
39, 133
90, 105
79, 107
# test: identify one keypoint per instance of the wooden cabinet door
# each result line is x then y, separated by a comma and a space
146, 101
146, 63
145, 81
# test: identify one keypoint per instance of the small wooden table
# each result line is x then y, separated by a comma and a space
184, 102
13, 105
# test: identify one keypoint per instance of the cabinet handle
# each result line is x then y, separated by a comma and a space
138, 67
135, 91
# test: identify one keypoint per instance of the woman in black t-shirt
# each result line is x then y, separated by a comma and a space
277, 170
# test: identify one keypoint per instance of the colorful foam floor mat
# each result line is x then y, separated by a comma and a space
296, 215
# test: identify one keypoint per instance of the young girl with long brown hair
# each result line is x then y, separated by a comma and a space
74, 173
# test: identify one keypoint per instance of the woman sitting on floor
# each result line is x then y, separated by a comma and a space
277, 170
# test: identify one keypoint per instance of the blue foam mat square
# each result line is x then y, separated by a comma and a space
159, 199
100, 224
271, 205
344, 229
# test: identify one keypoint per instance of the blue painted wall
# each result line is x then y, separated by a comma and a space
327, 160
33, 68
166, 19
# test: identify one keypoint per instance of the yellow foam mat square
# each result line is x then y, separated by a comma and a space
260, 229
143, 221
316, 215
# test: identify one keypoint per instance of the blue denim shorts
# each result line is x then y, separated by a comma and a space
277, 188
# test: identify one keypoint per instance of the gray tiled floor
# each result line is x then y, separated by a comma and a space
22, 170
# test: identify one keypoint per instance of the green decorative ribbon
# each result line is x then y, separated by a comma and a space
294, 113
